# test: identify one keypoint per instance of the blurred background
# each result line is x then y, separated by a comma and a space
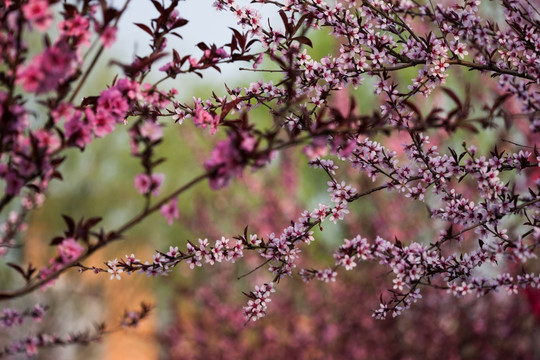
198, 313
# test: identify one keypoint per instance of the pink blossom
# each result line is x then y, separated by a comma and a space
31, 349
156, 181
221, 52
151, 130
47, 140
203, 118
142, 183
47, 70
179, 116
108, 37
259, 61
193, 62
101, 123
170, 211
14, 183
248, 143
145, 184
76, 26
45, 272
37, 11
69, 249
225, 160
30, 78
78, 132
113, 103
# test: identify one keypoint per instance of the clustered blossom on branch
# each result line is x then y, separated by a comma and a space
421, 264
12, 317
31, 343
490, 199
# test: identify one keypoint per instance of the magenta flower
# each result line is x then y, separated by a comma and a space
230, 156
108, 37
113, 103
142, 183
170, 211
77, 26
145, 184
47, 140
47, 70
30, 78
101, 123
77, 131
225, 160
37, 11
155, 182
69, 250
14, 183
203, 119
193, 62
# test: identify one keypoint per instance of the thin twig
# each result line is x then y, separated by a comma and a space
255, 269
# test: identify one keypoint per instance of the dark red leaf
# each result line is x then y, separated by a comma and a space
304, 40
56, 240
158, 6
70, 223
453, 96
17, 268
202, 46
145, 28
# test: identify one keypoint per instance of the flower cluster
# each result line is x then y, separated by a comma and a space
484, 205
421, 264
224, 250
30, 344
12, 317
257, 305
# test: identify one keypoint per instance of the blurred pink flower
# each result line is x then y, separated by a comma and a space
37, 11
170, 211
203, 118
69, 250
108, 37
152, 131
144, 183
